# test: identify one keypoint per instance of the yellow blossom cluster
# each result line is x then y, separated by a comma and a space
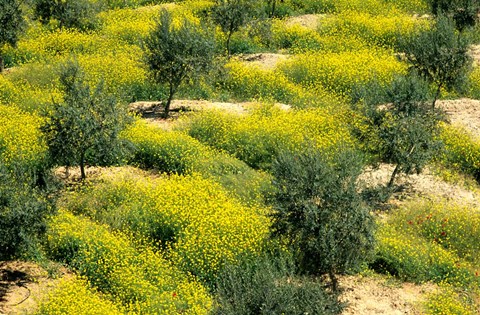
252, 82
176, 152
380, 30
342, 72
297, 38
195, 219
448, 300
20, 137
72, 295
437, 241
475, 83
138, 278
368, 6
454, 227
462, 150
258, 137
171, 152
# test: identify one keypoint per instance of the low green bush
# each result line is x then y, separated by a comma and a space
268, 285
23, 211
320, 213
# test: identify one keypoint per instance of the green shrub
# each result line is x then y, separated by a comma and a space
268, 285
85, 127
440, 56
230, 15
408, 128
12, 23
79, 14
463, 12
23, 210
319, 211
175, 53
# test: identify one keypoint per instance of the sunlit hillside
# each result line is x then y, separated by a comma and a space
239, 157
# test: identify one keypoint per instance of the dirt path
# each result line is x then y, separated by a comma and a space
463, 112
425, 185
23, 284
267, 61
307, 20
381, 295
475, 52
179, 106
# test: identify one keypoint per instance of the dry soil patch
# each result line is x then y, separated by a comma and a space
267, 61
425, 185
23, 284
475, 53
463, 112
369, 296
308, 20
184, 106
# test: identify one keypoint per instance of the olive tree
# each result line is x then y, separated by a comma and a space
85, 127
319, 211
24, 208
440, 56
11, 23
176, 53
80, 14
465, 13
230, 15
408, 128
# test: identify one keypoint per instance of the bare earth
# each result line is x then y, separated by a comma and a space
308, 20
425, 185
267, 61
379, 295
463, 112
475, 52
22, 285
